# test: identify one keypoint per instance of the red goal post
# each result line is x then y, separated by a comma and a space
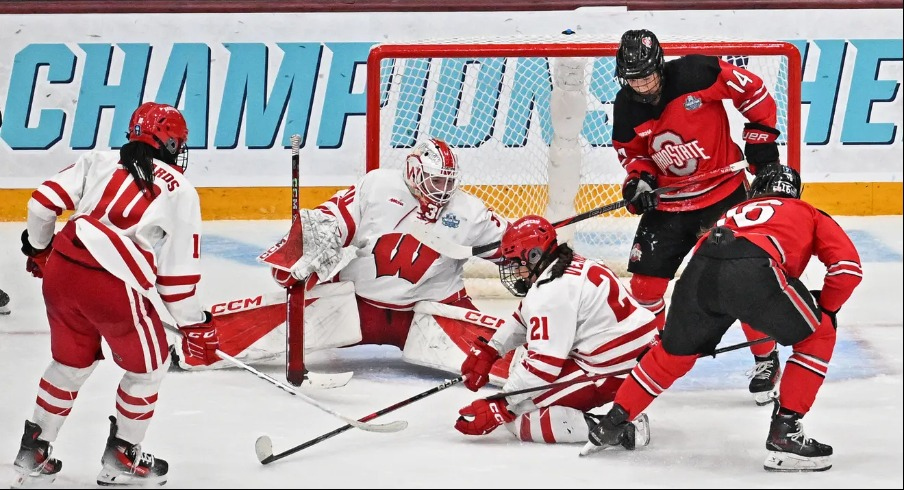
530, 119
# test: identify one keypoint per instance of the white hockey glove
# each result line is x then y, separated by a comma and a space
322, 245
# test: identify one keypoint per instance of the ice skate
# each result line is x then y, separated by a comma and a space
34, 466
125, 465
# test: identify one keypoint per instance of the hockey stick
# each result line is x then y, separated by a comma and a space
558, 384
295, 370
264, 445
442, 245
283, 255
390, 427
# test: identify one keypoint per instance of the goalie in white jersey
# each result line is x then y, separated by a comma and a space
392, 270
136, 225
359, 242
577, 320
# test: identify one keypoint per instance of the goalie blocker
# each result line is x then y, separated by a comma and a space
252, 330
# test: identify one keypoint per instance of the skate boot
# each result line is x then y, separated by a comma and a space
791, 450
764, 378
125, 465
33, 465
613, 430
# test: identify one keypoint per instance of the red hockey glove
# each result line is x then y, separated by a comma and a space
476, 368
200, 341
283, 278
760, 148
37, 259
638, 191
483, 416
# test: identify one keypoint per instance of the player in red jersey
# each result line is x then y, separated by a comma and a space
670, 123
747, 268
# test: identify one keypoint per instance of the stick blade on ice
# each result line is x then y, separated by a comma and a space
263, 447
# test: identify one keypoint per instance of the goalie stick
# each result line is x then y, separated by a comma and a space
263, 446
389, 427
282, 256
425, 235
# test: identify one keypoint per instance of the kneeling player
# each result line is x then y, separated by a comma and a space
578, 321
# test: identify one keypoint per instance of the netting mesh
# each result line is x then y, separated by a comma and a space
531, 121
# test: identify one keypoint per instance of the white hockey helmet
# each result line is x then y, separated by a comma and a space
431, 172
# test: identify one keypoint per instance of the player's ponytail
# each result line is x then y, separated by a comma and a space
564, 254
138, 159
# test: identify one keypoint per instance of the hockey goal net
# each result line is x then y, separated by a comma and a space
530, 119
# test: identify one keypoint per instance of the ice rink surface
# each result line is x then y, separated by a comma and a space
706, 431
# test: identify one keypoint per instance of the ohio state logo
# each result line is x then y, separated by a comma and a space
675, 156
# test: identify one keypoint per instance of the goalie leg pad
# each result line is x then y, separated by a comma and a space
442, 343
253, 330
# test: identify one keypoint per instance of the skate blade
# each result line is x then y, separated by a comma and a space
765, 397
792, 463
26, 480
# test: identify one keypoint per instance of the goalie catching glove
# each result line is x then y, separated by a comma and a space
201, 341
322, 245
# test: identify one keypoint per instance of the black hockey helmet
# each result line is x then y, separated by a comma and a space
777, 180
639, 55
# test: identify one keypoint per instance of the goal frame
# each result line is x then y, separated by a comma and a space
573, 50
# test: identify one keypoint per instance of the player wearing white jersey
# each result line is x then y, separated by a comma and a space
136, 225
578, 321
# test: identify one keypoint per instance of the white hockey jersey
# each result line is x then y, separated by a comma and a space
393, 269
145, 243
586, 315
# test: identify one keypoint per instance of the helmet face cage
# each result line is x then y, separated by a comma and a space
781, 180
163, 127
639, 56
529, 242
431, 172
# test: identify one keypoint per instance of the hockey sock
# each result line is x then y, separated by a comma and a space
806, 368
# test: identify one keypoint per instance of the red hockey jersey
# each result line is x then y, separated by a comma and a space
792, 231
688, 131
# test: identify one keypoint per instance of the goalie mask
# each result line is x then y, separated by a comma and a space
778, 180
528, 247
431, 173
639, 63
163, 127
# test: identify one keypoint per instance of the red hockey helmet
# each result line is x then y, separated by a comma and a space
527, 245
163, 127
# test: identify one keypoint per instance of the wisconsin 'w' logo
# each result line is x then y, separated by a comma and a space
401, 255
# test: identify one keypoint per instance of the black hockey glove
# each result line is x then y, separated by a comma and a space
613, 429
37, 258
831, 314
760, 148
638, 191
